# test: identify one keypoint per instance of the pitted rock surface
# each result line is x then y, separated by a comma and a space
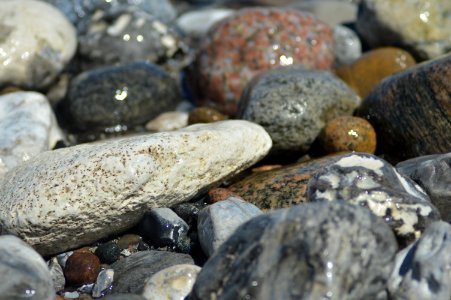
366, 180
74, 196
309, 251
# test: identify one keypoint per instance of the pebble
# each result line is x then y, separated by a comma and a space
411, 122
293, 105
422, 27
309, 251
220, 194
205, 115
250, 42
368, 71
24, 273
348, 133
348, 47
332, 12
124, 297
217, 222
366, 180
129, 241
422, 271
62, 258
82, 268
168, 121
34, 48
189, 212
108, 253
174, 282
57, 273
103, 283
131, 273
28, 127
433, 174
116, 97
196, 23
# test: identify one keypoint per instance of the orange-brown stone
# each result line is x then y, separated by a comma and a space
205, 115
220, 194
82, 268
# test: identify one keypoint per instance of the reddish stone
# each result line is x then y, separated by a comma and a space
252, 41
220, 194
82, 268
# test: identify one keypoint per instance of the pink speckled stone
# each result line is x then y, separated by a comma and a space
252, 41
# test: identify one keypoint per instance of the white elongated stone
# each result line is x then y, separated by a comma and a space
197, 23
27, 128
73, 196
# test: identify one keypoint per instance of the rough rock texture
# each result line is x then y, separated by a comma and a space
131, 273
366, 180
73, 196
293, 104
23, 271
433, 174
309, 251
36, 42
411, 122
422, 271
27, 128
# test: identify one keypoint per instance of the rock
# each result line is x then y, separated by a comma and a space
279, 188
366, 180
294, 104
131, 273
309, 251
25, 274
124, 297
103, 283
348, 47
129, 241
126, 95
412, 122
217, 222
332, 12
250, 42
57, 273
82, 268
368, 71
168, 121
105, 187
63, 257
205, 115
196, 23
433, 174
421, 27
189, 212
422, 270
173, 282
348, 133
108, 253
28, 127
34, 48
220, 194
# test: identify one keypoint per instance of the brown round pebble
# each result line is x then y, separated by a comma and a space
205, 115
82, 268
10, 89
347, 133
128, 241
220, 194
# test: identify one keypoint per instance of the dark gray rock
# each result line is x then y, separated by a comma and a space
294, 104
124, 297
422, 271
433, 174
131, 273
310, 251
366, 180
189, 212
108, 253
126, 95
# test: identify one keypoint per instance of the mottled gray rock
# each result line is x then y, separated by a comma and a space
310, 251
433, 174
103, 283
332, 12
423, 270
131, 273
294, 104
56, 271
173, 282
36, 42
74, 196
348, 47
217, 222
366, 180
23, 271
27, 127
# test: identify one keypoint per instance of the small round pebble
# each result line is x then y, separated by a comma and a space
220, 194
128, 240
347, 133
82, 268
108, 253
205, 115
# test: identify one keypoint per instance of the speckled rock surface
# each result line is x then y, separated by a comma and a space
23, 271
294, 104
433, 174
217, 222
168, 121
252, 41
366, 180
34, 48
126, 95
424, 27
309, 251
53, 200
131, 273
173, 282
27, 127
348, 47
412, 122
422, 271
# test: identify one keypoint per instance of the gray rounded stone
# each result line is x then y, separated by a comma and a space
309, 251
348, 47
294, 104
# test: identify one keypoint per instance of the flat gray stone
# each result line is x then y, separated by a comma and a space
74, 196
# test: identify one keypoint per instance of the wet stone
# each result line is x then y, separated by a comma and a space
108, 253
189, 212
309, 251
82, 268
205, 115
366, 180
103, 283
